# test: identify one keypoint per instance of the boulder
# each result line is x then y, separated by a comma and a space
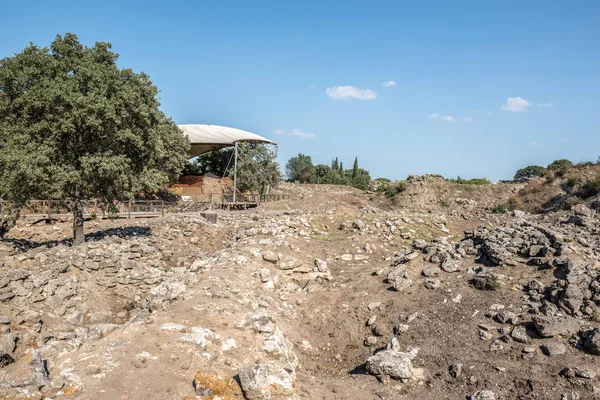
391, 363
263, 381
549, 326
592, 342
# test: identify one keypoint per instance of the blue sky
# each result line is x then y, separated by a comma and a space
476, 88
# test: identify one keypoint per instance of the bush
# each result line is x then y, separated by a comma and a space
571, 201
474, 181
590, 188
499, 209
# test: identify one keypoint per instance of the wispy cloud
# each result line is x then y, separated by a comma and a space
295, 132
447, 118
467, 119
534, 143
350, 92
546, 105
564, 139
516, 104
301, 134
389, 83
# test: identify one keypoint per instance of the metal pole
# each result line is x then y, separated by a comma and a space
235, 173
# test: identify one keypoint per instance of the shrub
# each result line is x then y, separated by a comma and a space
590, 188
571, 201
474, 181
499, 209
559, 165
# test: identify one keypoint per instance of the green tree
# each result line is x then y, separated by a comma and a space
341, 171
362, 179
321, 171
216, 162
300, 169
531, 171
257, 168
355, 168
336, 165
559, 165
74, 126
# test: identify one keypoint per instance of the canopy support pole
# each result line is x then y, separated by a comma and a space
235, 173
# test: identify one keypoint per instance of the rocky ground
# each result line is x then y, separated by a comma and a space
335, 294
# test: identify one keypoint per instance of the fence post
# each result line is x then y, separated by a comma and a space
129, 209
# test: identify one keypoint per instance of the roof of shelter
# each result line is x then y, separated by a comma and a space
204, 137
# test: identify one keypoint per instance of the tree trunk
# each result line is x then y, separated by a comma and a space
78, 233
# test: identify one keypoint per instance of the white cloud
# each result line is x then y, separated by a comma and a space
301, 134
534, 143
350, 92
516, 104
295, 132
564, 139
547, 105
389, 83
447, 118
467, 119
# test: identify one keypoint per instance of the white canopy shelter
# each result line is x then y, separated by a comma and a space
204, 137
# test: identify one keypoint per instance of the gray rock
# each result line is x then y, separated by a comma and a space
483, 395
430, 272
592, 342
398, 279
571, 299
450, 265
553, 349
391, 363
431, 283
549, 326
519, 334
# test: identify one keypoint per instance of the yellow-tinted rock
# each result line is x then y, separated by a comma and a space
210, 385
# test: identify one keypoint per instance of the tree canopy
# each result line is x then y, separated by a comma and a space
559, 165
529, 172
74, 126
301, 169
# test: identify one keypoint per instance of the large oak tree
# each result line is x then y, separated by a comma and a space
74, 126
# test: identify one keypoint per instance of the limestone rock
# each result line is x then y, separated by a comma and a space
392, 363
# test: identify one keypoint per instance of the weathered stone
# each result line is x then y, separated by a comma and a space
553, 349
483, 395
592, 342
392, 363
28, 371
549, 326
519, 334
430, 272
263, 381
211, 384
270, 256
